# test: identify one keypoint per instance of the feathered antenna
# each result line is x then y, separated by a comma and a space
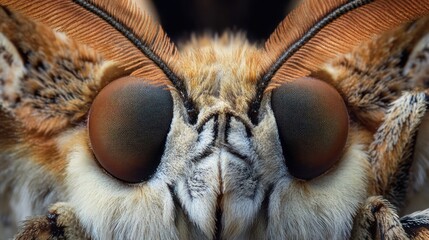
117, 29
317, 31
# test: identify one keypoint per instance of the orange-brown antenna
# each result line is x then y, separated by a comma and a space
317, 31
117, 29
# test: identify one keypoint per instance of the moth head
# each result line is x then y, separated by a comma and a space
217, 139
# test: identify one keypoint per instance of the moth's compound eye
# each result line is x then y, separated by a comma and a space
128, 124
312, 122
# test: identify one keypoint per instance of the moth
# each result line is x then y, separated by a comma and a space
108, 130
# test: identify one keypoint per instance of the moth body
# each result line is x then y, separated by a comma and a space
219, 164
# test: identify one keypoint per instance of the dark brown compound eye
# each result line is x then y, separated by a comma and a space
128, 124
312, 122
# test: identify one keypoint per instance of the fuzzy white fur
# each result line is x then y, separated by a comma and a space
33, 189
322, 208
11, 74
109, 209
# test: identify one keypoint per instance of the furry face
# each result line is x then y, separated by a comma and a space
224, 171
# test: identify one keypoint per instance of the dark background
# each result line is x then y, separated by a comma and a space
257, 18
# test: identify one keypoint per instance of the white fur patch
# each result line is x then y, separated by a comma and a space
242, 191
322, 208
26, 188
110, 209
198, 194
11, 70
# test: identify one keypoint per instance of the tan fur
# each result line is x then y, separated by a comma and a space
369, 80
54, 70
226, 67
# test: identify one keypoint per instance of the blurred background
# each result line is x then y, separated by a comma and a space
257, 18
